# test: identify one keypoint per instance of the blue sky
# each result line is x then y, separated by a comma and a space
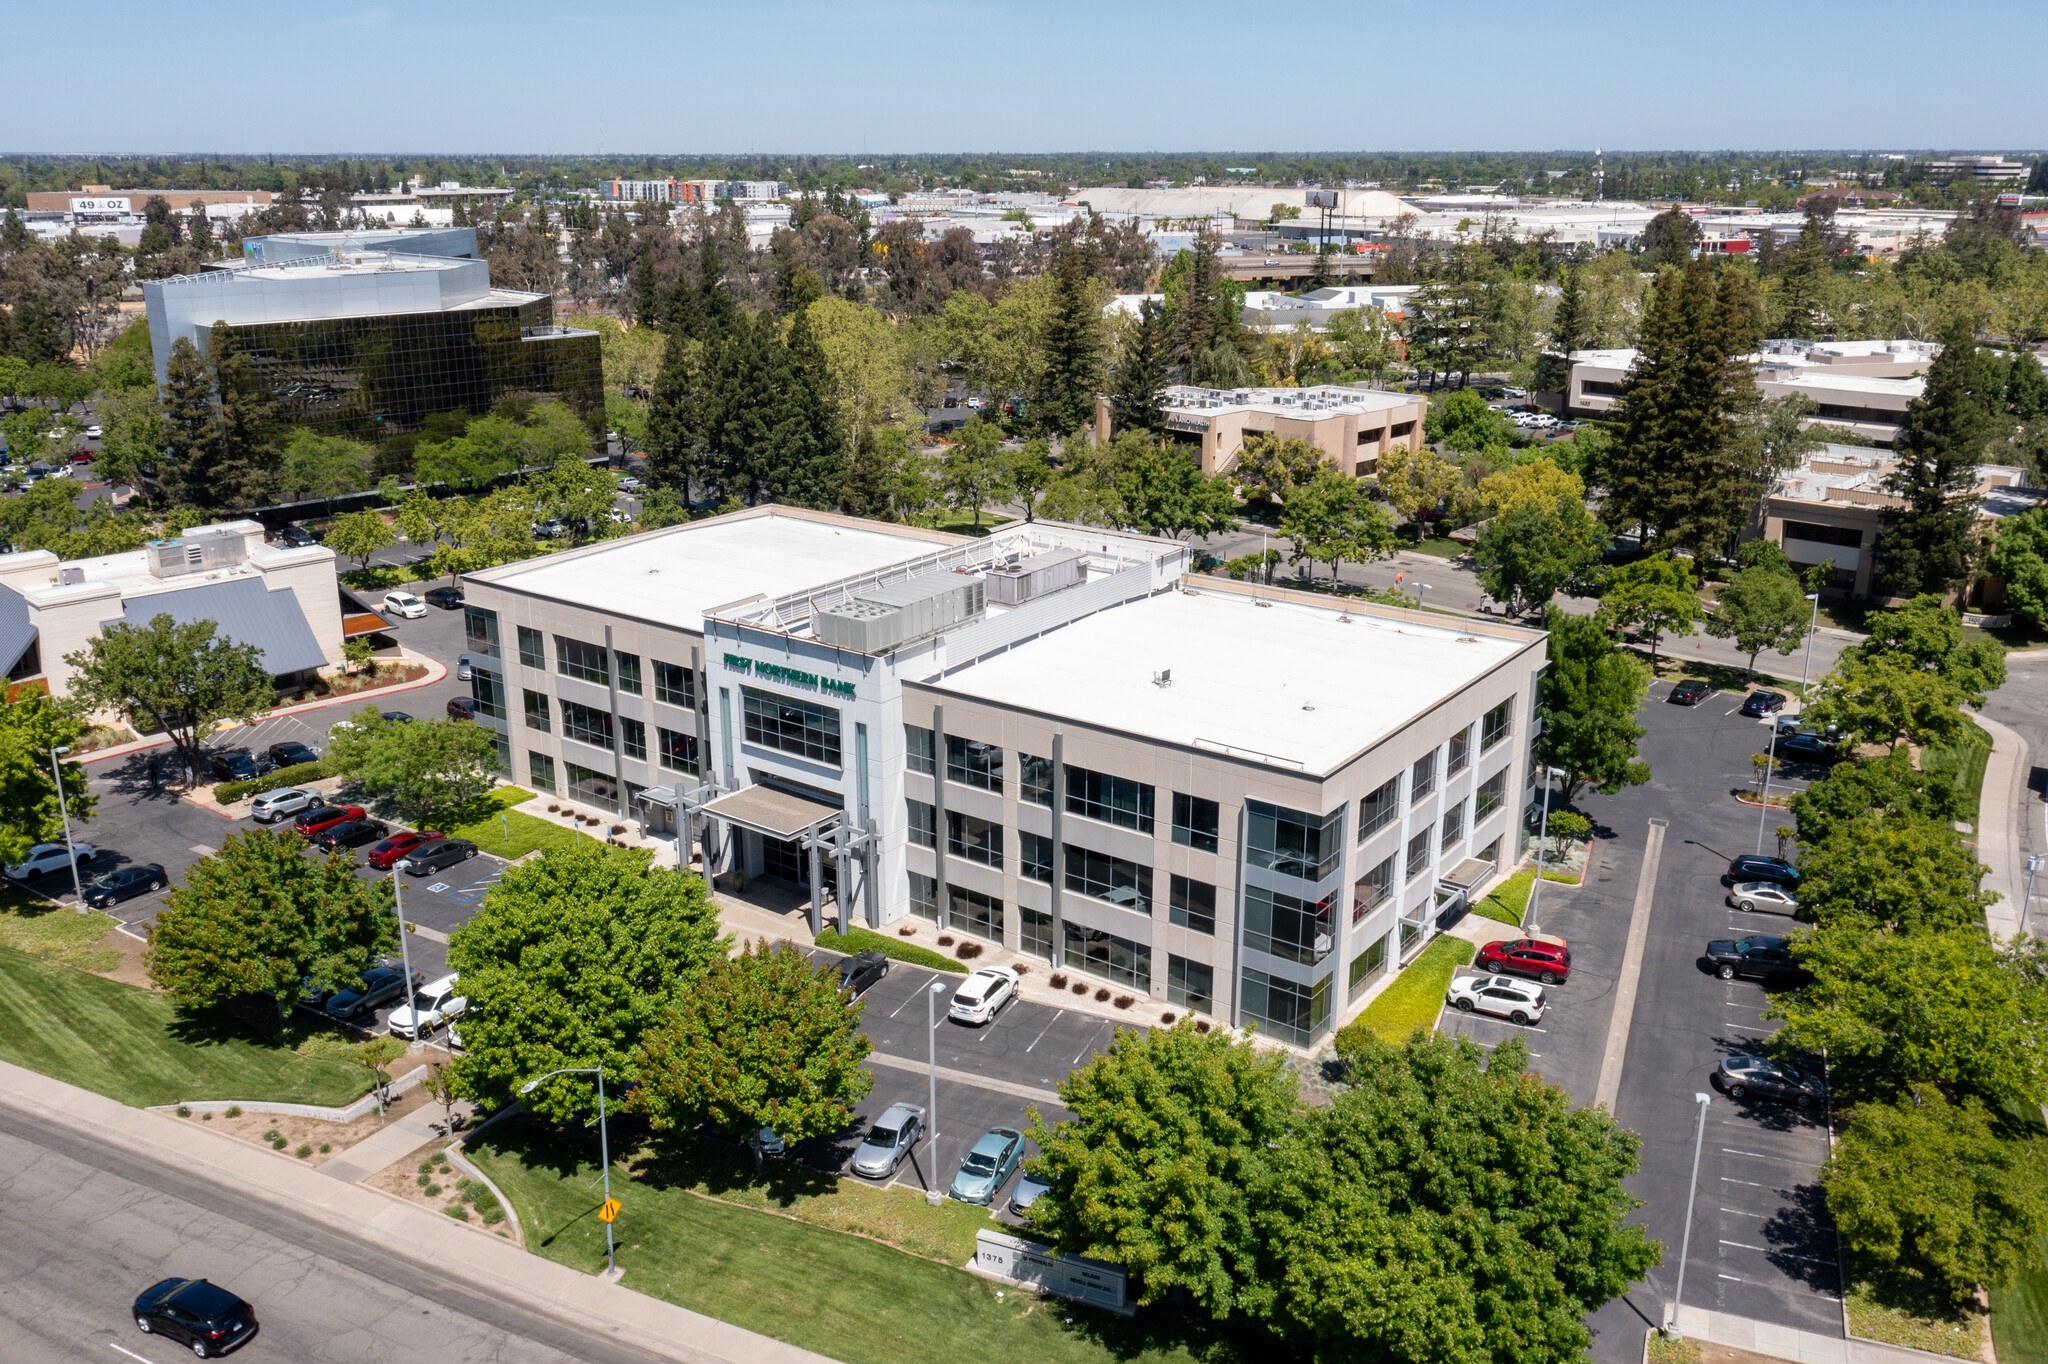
1055, 75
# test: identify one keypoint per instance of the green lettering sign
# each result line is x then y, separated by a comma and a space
795, 677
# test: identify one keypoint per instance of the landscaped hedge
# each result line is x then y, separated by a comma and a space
1413, 1000
228, 792
862, 940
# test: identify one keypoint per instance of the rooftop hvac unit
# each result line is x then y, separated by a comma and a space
202, 552
879, 619
1033, 577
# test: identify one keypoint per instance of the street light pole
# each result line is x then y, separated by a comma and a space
404, 948
1542, 846
1421, 588
931, 1113
1763, 815
70, 853
1806, 668
604, 1146
2034, 865
1691, 1194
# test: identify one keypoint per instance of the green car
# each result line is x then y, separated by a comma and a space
988, 1166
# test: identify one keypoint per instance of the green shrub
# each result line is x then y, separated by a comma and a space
325, 1147
433, 1190
271, 1135
278, 1144
184, 1111
862, 940
457, 1211
424, 1180
1413, 1000
234, 1110
304, 1150
228, 792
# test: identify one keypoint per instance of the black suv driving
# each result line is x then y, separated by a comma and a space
194, 1312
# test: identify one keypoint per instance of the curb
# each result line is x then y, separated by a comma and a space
361, 1108
460, 1160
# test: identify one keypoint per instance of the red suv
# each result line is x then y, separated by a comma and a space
324, 817
1544, 957
398, 845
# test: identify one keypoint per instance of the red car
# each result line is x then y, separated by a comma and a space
1544, 957
321, 818
398, 845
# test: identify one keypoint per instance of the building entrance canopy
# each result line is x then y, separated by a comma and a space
770, 812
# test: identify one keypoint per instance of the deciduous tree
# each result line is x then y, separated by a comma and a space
1653, 595
1272, 468
1529, 555
29, 813
188, 678
358, 535
1165, 492
1893, 868
1590, 696
972, 468
1761, 608
1334, 521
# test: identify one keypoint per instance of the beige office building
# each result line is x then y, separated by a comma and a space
1243, 802
1353, 427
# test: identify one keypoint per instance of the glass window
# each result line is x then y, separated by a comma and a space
540, 771
920, 750
924, 824
977, 840
974, 763
1105, 954
1293, 843
1109, 878
1418, 851
1372, 890
1035, 859
595, 788
678, 751
1461, 752
537, 711
1454, 826
1283, 925
502, 759
924, 896
675, 686
1491, 853
1035, 933
489, 690
480, 631
531, 651
574, 658
1294, 1013
1367, 966
1496, 726
1422, 778
970, 911
633, 736
629, 672
1192, 904
1194, 822
793, 726
1491, 792
1190, 984
587, 723
1379, 809
1113, 800
1036, 775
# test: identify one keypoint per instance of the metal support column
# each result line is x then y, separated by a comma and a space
817, 884
1059, 849
871, 866
611, 665
939, 810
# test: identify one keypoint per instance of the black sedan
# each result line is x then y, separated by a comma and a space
291, 755
447, 598
111, 888
381, 985
353, 834
1690, 692
195, 1313
393, 717
1755, 867
1761, 702
1805, 748
438, 855
1741, 1076
860, 971
1760, 958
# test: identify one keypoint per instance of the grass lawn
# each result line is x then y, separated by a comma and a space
2019, 1315
142, 1049
1417, 995
1436, 546
840, 1294
896, 949
494, 826
37, 927
1721, 676
1510, 899
962, 523
1957, 1334
1963, 766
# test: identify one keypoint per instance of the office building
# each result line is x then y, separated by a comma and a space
1858, 386
1980, 169
1353, 427
1248, 803
370, 334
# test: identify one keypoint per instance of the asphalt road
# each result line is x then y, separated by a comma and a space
2022, 704
85, 1225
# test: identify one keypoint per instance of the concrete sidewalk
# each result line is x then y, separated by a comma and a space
1782, 1342
392, 1142
2005, 804
490, 1264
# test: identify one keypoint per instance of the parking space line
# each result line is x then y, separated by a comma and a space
1758, 1155
1046, 1029
1750, 1182
1740, 1213
1088, 1046
203, 850
1790, 1255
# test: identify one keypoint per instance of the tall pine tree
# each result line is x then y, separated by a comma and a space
1567, 334
188, 425
245, 418
1926, 545
1139, 391
1072, 374
805, 462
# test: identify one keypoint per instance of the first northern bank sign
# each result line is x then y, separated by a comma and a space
795, 677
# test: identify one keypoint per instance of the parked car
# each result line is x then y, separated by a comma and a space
1027, 1192
237, 766
1546, 958
1756, 867
194, 1313
396, 846
984, 995
1741, 1076
462, 708
447, 598
1690, 692
352, 834
770, 1141
1759, 958
549, 530
381, 985
1761, 702
1750, 896
45, 858
93, 433
889, 1141
629, 484
1805, 748
438, 855
1515, 1000
433, 1005
988, 1166
291, 754
271, 806
393, 717
318, 820
296, 537
124, 883
860, 971
465, 668
404, 604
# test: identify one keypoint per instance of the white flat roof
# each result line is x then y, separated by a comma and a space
1282, 681
672, 577
1853, 383
1287, 402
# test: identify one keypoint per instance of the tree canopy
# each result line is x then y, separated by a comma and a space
29, 813
188, 678
1588, 703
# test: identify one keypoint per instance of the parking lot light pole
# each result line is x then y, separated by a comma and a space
2034, 865
931, 1113
70, 854
604, 1145
1542, 846
1806, 668
1763, 816
1691, 1194
405, 951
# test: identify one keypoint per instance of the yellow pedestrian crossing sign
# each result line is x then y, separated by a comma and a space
609, 1211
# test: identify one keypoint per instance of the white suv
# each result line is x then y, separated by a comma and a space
433, 1005
1518, 1001
272, 806
44, 858
404, 604
984, 994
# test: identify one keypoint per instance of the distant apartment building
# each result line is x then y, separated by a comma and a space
673, 191
1353, 427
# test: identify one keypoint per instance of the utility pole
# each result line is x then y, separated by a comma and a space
1691, 1194
70, 853
931, 1112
